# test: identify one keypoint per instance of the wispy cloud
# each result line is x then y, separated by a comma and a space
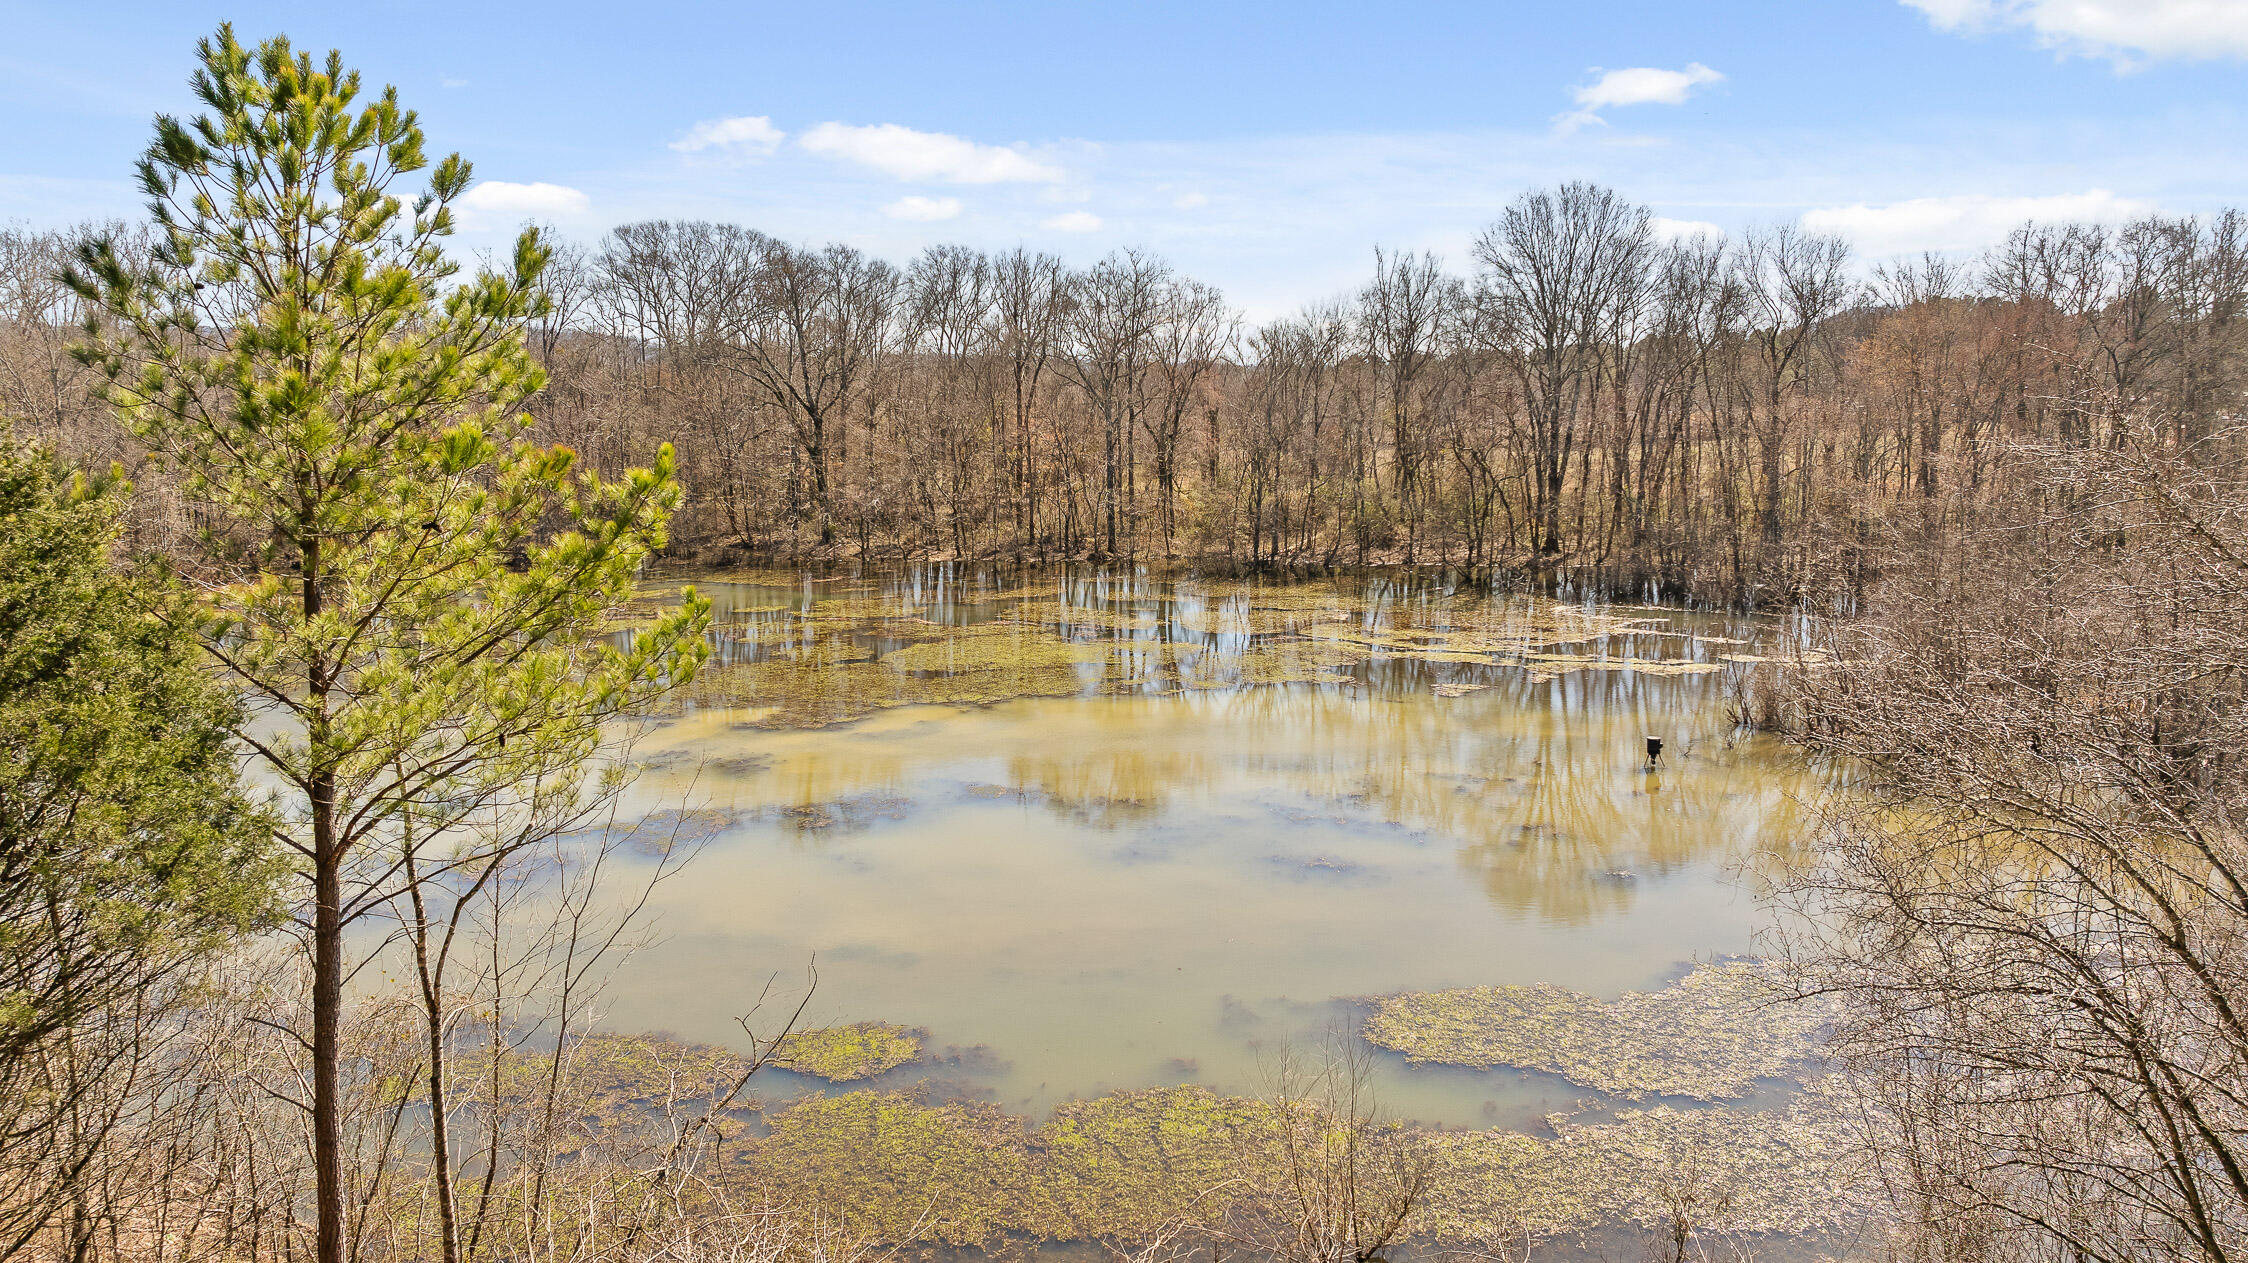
2123, 31
1971, 221
497, 202
1637, 85
906, 154
749, 134
1072, 221
918, 209
1680, 229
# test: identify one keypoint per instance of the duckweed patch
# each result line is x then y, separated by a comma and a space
1709, 1036
840, 1054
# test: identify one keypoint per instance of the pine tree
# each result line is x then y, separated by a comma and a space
397, 573
128, 852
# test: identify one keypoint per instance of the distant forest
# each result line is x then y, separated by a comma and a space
1757, 420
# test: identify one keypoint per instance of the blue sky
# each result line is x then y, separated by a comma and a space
1266, 148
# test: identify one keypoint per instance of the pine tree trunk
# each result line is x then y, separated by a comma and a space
327, 1014
327, 920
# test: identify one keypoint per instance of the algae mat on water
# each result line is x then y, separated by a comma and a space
1125, 1166
897, 1167
1709, 1036
839, 655
840, 1054
1793, 1172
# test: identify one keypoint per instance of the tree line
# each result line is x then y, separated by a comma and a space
1746, 420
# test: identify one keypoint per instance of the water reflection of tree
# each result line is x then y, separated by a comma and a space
1112, 788
1541, 785
1536, 779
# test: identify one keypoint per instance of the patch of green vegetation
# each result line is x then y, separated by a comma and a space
621, 1075
1053, 613
849, 651
997, 648
610, 1085
828, 678
1710, 1036
887, 1166
1273, 662
957, 1174
897, 1168
1794, 1171
840, 1054
1123, 1165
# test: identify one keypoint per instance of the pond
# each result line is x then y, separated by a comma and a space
1097, 832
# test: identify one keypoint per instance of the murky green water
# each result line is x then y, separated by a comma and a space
1153, 869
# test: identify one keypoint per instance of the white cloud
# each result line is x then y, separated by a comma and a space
1637, 85
1191, 201
452, 83
910, 155
2122, 30
923, 209
495, 201
1645, 85
1073, 221
1677, 229
1967, 222
749, 134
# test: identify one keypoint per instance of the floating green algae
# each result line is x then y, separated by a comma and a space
895, 1167
1122, 1164
1131, 1164
887, 1166
832, 676
610, 1085
834, 653
1793, 1171
860, 1050
1709, 1036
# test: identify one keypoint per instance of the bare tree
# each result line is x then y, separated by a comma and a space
1107, 347
1193, 333
1348, 1180
2038, 911
1408, 317
1564, 277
